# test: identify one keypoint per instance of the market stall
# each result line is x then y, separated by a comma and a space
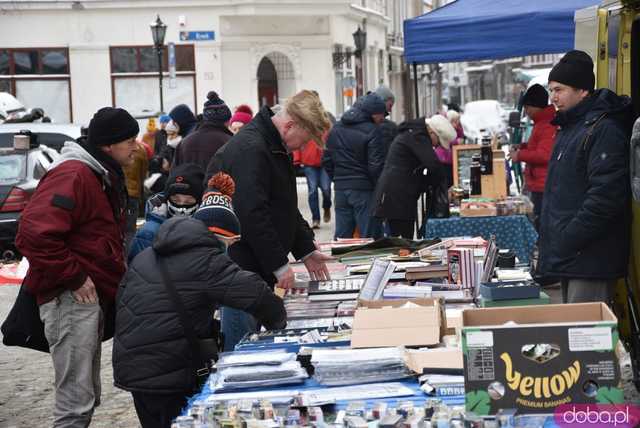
403, 344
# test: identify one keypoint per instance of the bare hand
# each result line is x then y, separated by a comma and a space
86, 293
287, 280
317, 267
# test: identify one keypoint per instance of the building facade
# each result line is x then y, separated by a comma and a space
73, 57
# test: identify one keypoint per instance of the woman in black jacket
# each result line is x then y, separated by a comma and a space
411, 167
151, 354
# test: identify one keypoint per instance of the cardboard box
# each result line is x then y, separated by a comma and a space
502, 371
436, 358
387, 323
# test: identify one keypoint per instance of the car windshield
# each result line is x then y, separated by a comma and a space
13, 168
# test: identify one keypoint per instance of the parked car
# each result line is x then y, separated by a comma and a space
487, 116
52, 135
20, 172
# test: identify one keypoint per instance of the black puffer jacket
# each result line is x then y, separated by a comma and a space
266, 198
200, 146
150, 350
355, 151
402, 179
585, 220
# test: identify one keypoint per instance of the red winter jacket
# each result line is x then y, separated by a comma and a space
68, 231
537, 152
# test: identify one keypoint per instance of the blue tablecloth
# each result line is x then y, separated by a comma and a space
513, 232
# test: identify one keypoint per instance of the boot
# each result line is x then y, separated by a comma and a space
327, 215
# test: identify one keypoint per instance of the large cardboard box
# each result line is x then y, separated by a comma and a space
388, 323
503, 371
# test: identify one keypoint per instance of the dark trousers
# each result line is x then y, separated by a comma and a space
401, 228
353, 208
158, 410
536, 200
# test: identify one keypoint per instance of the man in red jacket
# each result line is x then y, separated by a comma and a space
72, 233
537, 151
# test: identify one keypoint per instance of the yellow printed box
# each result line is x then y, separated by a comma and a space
536, 358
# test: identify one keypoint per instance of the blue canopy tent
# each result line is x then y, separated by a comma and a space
471, 30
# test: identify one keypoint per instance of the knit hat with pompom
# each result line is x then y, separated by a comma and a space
243, 114
215, 110
216, 210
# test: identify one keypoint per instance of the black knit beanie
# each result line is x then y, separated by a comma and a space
215, 110
111, 126
536, 96
575, 69
185, 179
216, 210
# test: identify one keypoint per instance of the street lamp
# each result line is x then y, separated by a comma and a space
158, 30
360, 40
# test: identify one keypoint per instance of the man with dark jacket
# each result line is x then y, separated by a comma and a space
585, 222
152, 357
72, 233
354, 159
258, 158
537, 151
200, 146
411, 167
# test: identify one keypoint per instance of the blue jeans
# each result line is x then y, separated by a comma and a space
235, 324
353, 208
317, 176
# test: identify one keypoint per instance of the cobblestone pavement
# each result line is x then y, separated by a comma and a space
26, 377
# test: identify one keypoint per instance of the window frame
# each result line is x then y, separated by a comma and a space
12, 77
152, 74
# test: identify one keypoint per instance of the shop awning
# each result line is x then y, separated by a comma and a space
471, 30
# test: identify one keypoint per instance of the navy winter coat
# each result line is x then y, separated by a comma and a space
355, 151
585, 220
150, 350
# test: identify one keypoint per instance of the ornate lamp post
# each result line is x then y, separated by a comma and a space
158, 31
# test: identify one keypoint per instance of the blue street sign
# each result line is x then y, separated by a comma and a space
197, 35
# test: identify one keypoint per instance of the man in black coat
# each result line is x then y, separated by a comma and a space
258, 158
585, 220
200, 146
354, 158
411, 167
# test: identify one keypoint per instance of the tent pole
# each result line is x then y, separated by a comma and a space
415, 89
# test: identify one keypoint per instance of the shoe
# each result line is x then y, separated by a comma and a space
315, 224
327, 215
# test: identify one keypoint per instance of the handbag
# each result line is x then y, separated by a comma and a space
23, 326
204, 352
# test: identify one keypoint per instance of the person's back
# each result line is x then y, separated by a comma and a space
355, 152
201, 145
151, 354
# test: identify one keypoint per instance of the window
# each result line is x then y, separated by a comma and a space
144, 59
38, 77
134, 78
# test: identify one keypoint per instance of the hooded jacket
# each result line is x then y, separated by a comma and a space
150, 350
73, 227
355, 151
537, 151
585, 220
156, 213
402, 181
266, 198
200, 146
